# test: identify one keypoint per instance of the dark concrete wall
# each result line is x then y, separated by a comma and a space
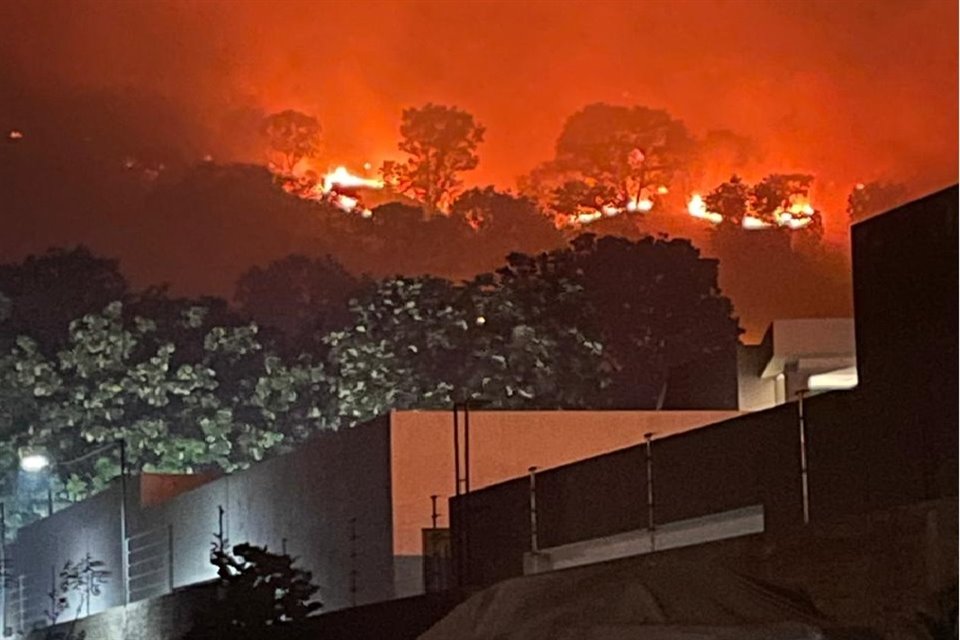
905, 299
750, 460
169, 617
708, 383
312, 502
328, 503
891, 441
875, 570
43, 547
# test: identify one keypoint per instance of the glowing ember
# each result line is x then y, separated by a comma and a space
697, 208
346, 203
15, 134
340, 177
662, 190
797, 223
643, 205
587, 217
751, 223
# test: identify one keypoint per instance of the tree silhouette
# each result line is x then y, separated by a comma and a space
625, 152
291, 136
260, 590
441, 143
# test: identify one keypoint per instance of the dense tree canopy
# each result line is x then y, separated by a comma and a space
425, 342
46, 292
299, 296
655, 303
222, 405
191, 384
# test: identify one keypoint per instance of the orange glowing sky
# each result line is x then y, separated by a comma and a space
848, 90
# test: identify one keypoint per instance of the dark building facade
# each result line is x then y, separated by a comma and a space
889, 442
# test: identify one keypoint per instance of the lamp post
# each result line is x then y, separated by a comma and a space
34, 460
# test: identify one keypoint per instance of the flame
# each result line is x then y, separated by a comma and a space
336, 187
587, 217
642, 205
753, 223
340, 177
797, 223
346, 203
697, 208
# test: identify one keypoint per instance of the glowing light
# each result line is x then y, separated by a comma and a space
697, 208
662, 190
587, 217
797, 223
643, 205
481, 321
609, 210
860, 186
800, 207
340, 177
15, 134
346, 203
752, 223
34, 462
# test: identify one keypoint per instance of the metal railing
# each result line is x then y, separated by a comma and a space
149, 563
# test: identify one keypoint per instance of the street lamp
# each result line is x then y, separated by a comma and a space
35, 460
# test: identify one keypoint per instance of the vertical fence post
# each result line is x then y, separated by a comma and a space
651, 520
20, 608
456, 450
353, 562
804, 479
3, 568
170, 555
534, 536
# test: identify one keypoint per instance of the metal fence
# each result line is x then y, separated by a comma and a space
149, 563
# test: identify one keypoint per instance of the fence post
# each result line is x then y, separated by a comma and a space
804, 475
534, 537
651, 521
20, 597
170, 555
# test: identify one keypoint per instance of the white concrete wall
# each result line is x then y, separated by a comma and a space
683, 533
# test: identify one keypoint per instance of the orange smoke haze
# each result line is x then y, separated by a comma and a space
848, 91
845, 90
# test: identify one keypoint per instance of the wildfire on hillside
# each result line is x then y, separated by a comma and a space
796, 215
338, 187
587, 214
